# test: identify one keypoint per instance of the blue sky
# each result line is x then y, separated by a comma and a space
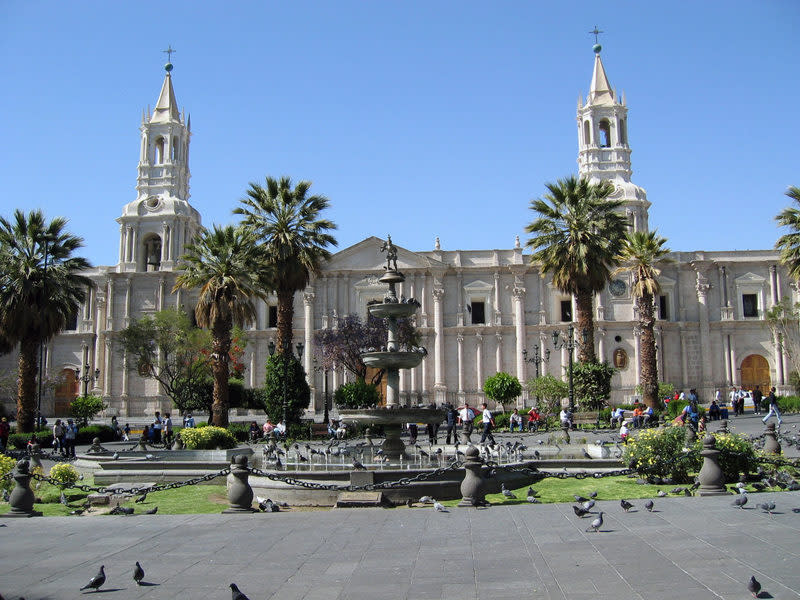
416, 118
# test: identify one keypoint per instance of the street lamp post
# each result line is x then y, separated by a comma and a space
570, 344
87, 377
41, 343
287, 353
324, 371
537, 359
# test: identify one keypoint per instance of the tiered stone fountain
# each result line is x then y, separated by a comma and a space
392, 416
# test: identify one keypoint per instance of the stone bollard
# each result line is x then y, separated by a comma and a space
178, 443
711, 477
240, 494
723, 426
141, 446
771, 444
691, 436
472, 487
368, 436
662, 420
35, 453
21, 498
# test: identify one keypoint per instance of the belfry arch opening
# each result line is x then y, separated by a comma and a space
152, 253
159, 151
604, 129
587, 133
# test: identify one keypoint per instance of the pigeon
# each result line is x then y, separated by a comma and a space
150, 457
236, 594
426, 500
358, 466
661, 493
121, 510
579, 511
96, 581
115, 456
767, 507
532, 492
409, 503
586, 454
532, 499
753, 586
141, 498
588, 505
507, 493
138, 573
677, 490
626, 506
649, 505
580, 498
740, 501
597, 523
687, 492
439, 507
593, 494
152, 511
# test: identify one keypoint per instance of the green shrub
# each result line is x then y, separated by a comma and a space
660, 452
788, 404
207, 438
356, 394
502, 388
240, 430
64, 473
20, 440
501, 420
88, 433
592, 384
84, 408
6, 464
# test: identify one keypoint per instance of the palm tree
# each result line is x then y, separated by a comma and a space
577, 238
41, 288
641, 251
294, 240
789, 244
224, 264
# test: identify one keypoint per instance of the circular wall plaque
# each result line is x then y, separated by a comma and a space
617, 287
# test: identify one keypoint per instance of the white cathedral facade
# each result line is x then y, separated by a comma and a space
480, 309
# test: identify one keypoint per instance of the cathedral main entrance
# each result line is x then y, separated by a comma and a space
755, 371
65, 392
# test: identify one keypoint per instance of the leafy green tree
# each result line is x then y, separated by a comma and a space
286, 370
357, 394
783, 321
641, 252
502, 387
789, 244
168, 348
41, 288
577, 237
548, 391
294, 240
84, 408
592, 384
225, 264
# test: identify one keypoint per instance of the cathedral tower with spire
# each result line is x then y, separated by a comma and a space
155, 228
604, 153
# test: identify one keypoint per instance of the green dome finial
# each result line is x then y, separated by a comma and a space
168, 67
596, 49
168, 52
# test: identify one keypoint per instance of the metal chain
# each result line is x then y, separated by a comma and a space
134, 490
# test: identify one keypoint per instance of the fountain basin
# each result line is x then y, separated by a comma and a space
392, 360
396, 416
392, 309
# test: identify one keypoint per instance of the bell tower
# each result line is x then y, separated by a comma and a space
155, 228
604, 153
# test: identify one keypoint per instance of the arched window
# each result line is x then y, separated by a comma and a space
159, 149
605, 134
623, 134
152, 253
587, 133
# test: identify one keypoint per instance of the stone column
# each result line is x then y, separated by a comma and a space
478, 360
461, 299
439, 386
542, 304
499, 352
308, 317
600, 335
107, 362
497, 317
519, 318
460, 354
684, 357
703, 288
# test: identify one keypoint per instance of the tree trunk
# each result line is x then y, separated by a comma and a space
26, 386
584, 305
285, 318
221, 345
649, 366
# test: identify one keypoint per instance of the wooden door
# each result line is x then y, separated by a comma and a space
66, 391
755, 371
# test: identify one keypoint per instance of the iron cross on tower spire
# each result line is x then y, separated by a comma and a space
170, 50
594, 31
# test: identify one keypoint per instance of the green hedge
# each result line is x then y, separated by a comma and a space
788, 404
208, 438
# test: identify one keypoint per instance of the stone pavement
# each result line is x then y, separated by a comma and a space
690, 548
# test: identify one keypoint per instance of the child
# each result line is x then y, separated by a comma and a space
624, 432
126, 433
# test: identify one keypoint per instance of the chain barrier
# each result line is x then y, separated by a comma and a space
403, 481
134, 491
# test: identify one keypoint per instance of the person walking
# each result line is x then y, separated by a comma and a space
58, 436
773, 407
452, 419
467, 417
70, 437
156, 428
167, 428
488, 423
